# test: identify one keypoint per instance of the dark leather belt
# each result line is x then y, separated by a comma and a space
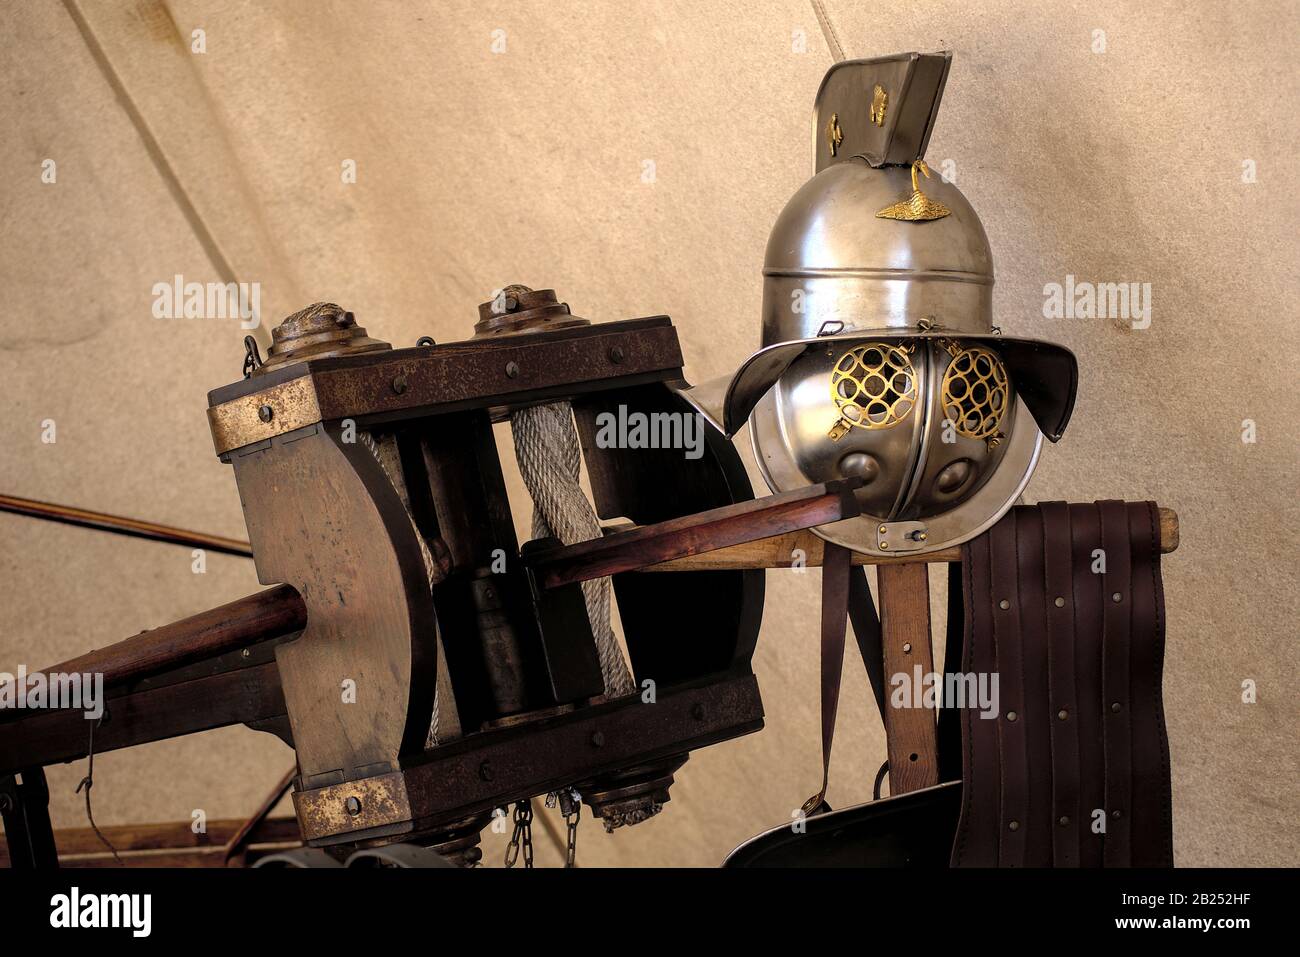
1064, 604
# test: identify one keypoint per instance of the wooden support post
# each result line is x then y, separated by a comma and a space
905, 634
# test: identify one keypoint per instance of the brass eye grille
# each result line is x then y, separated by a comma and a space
873, 386
974, 392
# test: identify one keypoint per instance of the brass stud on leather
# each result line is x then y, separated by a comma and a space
1004, 604
1115, 707
1117, 598
1062, 714
1011, 716
1060, 603
1064, 821
1014, 825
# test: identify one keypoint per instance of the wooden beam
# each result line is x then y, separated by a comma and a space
691, 535
779, 552
910, 733
258, 617
243, 696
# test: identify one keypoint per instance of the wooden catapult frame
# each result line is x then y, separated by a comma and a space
349, 594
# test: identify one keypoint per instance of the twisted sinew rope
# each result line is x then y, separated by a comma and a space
546, 445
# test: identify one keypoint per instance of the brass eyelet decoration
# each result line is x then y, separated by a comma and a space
834, 135
879, 100
918, 207
974, 393
873, 386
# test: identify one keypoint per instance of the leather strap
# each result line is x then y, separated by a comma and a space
866, 629
1151, 823
1063, 716
1013, 757
1086, 555
949, 724
1116, 704
976, 843
1035, 652
835, 606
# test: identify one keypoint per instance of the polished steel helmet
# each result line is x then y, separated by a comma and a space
879, 354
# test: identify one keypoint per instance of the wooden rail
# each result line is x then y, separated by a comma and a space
779, 552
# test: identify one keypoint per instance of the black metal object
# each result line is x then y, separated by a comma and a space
395, 856
25, 809
912, 830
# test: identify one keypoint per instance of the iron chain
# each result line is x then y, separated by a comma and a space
522, 836
571, 820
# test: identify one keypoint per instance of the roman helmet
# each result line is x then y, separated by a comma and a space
879, 357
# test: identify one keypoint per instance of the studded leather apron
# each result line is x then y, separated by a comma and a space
1065, 604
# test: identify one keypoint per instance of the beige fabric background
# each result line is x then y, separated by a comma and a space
477, 168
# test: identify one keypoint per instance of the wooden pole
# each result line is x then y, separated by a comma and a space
910, 733
702, 534
267, 614
780, 551
136, 528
